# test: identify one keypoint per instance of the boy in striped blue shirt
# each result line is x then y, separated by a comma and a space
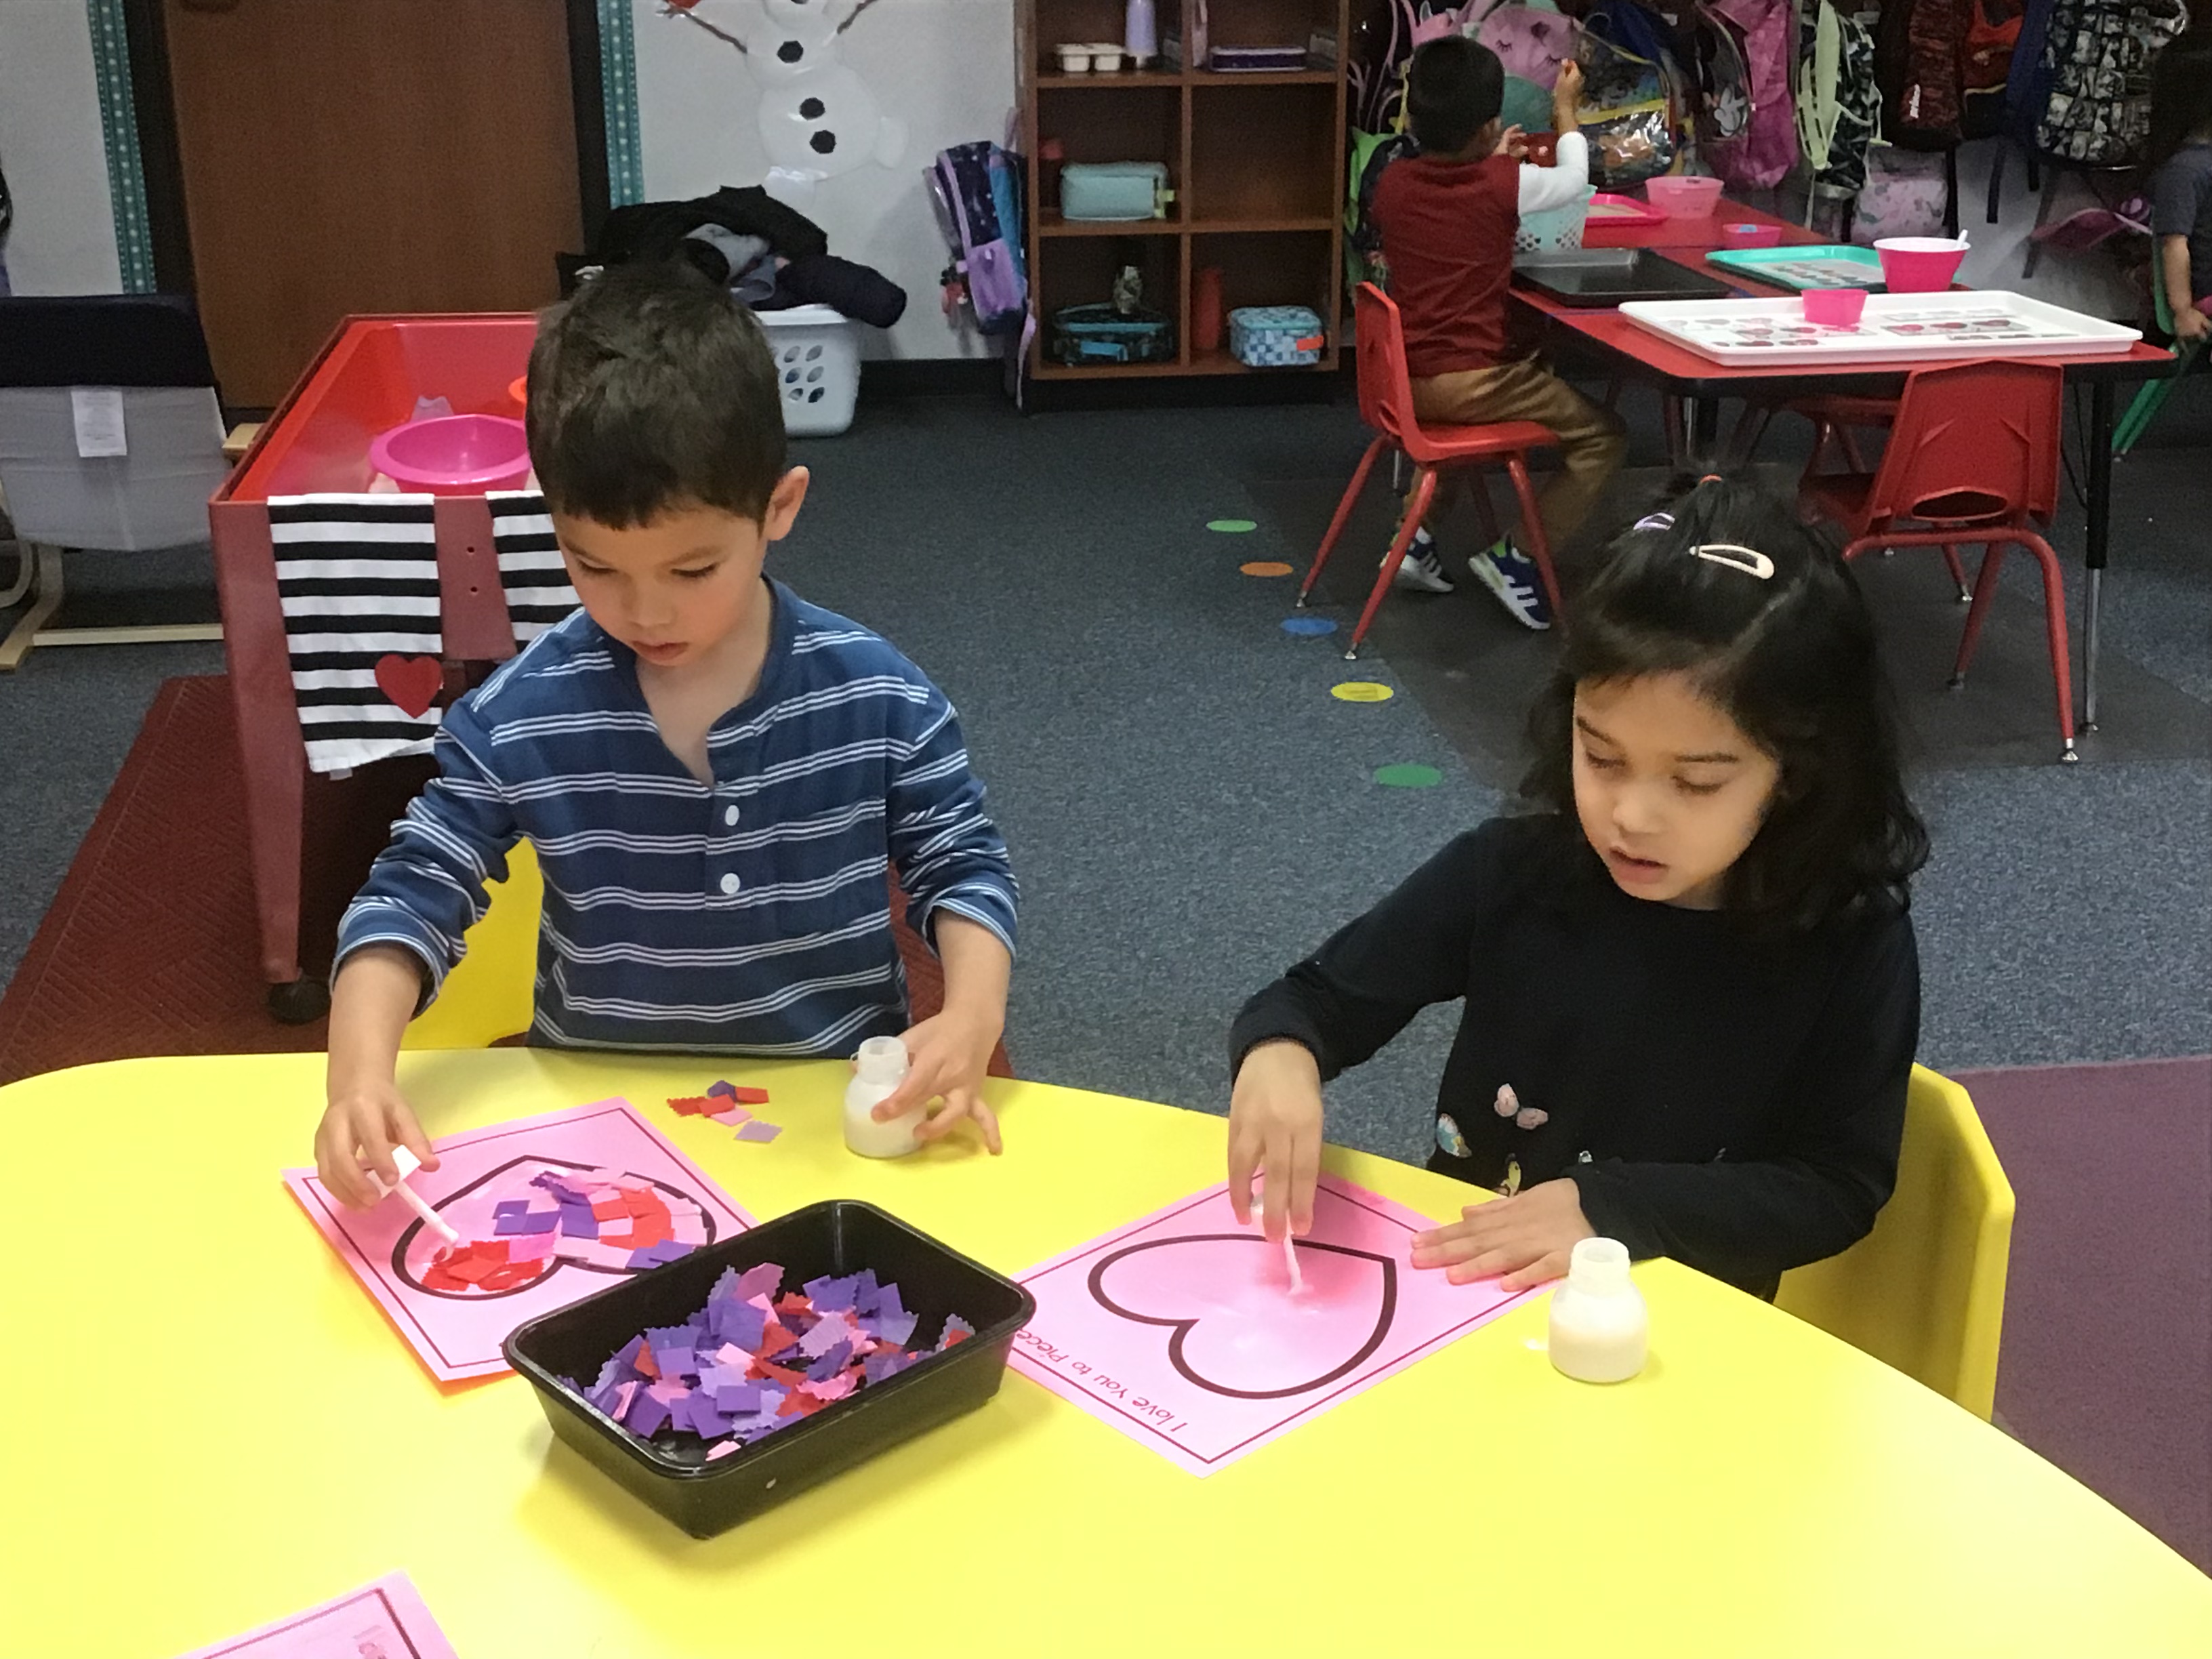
716, 774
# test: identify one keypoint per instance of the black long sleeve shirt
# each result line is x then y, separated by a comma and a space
1729, 1099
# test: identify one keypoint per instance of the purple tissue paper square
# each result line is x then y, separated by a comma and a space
577, 1221
830, 1364
736, 1321
723, 1087
541, 1221
648, 1414
506, 1226
832, 1294
823, 1337
755, 1130
894, 1327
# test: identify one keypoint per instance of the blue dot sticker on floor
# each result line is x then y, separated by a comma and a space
1310, 628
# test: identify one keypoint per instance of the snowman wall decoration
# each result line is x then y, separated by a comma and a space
818, 119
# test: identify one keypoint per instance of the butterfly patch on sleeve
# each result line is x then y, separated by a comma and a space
1508, 1104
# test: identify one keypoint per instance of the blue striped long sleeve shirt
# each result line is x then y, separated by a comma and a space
750, 914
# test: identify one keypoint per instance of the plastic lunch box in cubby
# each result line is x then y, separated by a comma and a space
840, 1235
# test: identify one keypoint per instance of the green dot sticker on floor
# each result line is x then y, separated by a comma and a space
1408, 777
1231, 526
1362, 691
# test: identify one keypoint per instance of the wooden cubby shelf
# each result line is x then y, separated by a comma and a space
1256, 163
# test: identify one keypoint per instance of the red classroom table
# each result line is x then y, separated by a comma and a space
1702, 383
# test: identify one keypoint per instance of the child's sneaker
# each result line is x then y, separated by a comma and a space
1421, 569
1511, 575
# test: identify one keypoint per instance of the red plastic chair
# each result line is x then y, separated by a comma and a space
1972, 457
1386, 404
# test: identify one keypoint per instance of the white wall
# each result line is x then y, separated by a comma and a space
64, 241
944, 68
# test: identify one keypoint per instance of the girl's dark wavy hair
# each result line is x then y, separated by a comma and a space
1792, 661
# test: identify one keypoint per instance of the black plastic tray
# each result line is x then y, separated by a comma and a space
1599, 277
841, 1235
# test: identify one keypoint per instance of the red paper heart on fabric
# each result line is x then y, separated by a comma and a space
412, 682
1237, 1329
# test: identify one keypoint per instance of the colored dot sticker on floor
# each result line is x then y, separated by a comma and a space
1408, 777
1309, 627
1231, 526
1265, 568
1362, 691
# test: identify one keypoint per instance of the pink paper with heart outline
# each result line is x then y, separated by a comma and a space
386, 1617
460, 1339
1288, 1355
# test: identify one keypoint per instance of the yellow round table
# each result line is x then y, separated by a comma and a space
209, 1424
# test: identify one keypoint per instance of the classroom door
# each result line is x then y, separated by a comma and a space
366, 155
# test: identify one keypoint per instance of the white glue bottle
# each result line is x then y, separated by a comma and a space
882, 1068
1598, 1329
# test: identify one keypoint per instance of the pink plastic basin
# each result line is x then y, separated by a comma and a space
1834, 308
1919, 265
1752, 235
454, 454
1682, 195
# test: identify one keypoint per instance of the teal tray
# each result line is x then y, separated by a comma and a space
1835, 265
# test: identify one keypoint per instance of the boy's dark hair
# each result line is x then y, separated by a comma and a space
652, 389
1454, 89
2180, 97
1792, 660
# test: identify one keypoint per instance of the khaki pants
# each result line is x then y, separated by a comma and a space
1592, 439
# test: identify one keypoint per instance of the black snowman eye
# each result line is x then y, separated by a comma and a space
823, 142
811, 109
790, 52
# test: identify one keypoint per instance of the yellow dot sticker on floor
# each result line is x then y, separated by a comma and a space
1362, 691
1265, 568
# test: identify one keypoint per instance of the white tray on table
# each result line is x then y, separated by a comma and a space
1894, 328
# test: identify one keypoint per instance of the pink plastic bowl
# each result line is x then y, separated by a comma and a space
454, 454
1919, 265
1682, 196
1752, 235
1834, 308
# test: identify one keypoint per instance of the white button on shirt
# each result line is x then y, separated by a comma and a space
729, 815
731, 884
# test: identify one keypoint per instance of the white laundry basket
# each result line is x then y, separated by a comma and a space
817, 368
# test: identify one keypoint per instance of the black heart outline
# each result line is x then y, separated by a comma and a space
1183, 1328
560, 1263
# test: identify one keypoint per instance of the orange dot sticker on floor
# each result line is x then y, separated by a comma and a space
1362, 691
1265, 568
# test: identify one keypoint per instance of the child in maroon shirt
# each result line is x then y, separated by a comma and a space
1448, 217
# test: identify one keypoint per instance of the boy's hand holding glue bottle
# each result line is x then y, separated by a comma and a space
945, 1056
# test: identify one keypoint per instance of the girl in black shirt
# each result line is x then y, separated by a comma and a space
1692, 991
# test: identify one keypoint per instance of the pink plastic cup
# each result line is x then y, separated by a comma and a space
1749, 235
1919, 265
1834, 308
454, 454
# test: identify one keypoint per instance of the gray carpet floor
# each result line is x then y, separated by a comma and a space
1190, 809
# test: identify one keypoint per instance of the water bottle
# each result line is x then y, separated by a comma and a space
1141, 32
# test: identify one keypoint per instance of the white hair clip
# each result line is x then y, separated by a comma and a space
1655, 521
1735, 556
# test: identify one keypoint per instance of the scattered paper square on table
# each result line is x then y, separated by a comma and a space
383, 1620
1182, 1331
602, 1194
